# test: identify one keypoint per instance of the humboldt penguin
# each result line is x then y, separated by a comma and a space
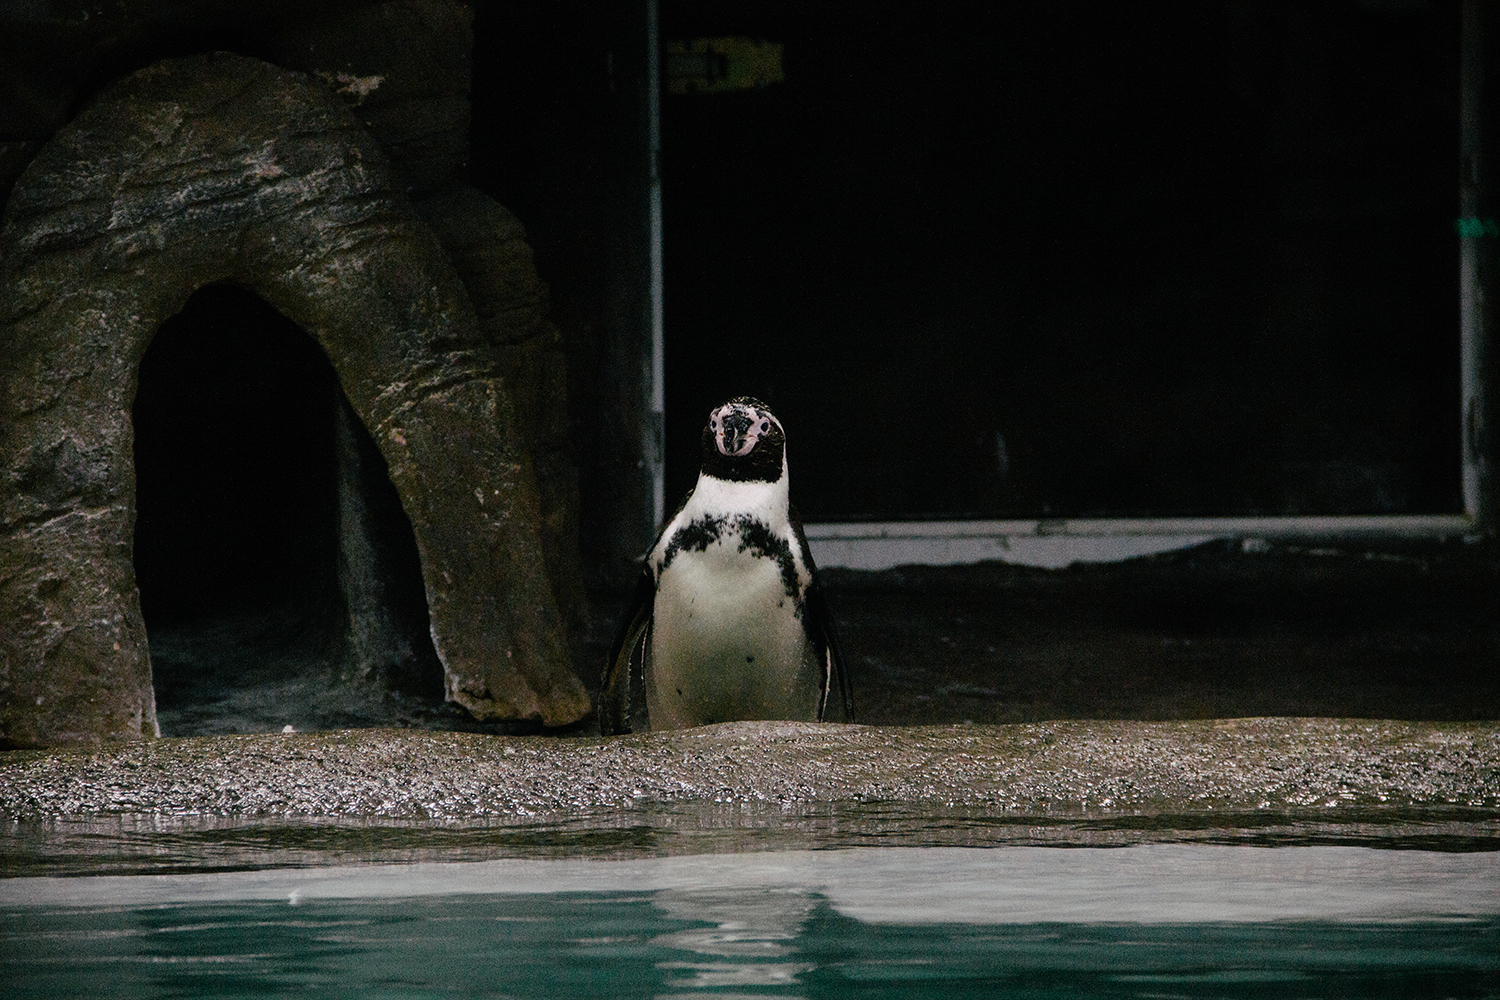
727, 621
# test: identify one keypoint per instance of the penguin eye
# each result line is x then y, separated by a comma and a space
764, 424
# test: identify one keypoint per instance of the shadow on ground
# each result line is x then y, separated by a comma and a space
1215, 632
1221, 631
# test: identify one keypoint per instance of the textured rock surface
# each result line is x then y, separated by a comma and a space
386, 641
1061, 768
403, 67
487, 246
221, 168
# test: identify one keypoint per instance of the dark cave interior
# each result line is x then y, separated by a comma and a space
243, 579
236, 485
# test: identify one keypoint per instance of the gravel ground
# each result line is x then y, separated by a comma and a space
1034, 768
277, 800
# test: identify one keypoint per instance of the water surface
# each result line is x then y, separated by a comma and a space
1149, 921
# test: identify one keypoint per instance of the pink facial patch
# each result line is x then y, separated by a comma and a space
737, 429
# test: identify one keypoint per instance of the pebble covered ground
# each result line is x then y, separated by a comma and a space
1034, 768
275, 800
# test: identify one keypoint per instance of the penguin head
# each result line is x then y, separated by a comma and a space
743, 442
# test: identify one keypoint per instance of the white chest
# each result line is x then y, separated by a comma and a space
727, 642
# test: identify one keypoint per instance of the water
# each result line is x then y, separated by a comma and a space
1149, 921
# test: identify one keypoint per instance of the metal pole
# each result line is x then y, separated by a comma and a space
658, 348
1474, 267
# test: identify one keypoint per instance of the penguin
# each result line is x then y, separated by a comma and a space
727, 621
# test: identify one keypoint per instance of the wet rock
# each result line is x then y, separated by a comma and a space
224, 168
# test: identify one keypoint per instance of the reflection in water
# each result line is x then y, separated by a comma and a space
678, 931
754, 929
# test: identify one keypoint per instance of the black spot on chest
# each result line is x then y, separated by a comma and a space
755, 537
696, 536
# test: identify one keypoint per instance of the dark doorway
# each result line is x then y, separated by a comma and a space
236, 483
243, 447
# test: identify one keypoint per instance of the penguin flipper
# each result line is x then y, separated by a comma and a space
817, 620
836, 702
622, 696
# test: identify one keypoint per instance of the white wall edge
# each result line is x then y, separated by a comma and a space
1055, 544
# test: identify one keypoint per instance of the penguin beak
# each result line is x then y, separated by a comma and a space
732, 438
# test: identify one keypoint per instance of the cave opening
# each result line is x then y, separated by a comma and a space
278, 575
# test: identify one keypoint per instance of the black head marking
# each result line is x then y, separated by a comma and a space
743, 442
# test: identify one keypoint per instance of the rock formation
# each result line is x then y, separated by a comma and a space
221, 168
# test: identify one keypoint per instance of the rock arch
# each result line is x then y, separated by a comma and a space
224, 168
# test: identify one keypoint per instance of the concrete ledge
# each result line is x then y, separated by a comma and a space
1055, 543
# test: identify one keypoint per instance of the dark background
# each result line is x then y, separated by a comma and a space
1196, 259
1061, 259
1182, 258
